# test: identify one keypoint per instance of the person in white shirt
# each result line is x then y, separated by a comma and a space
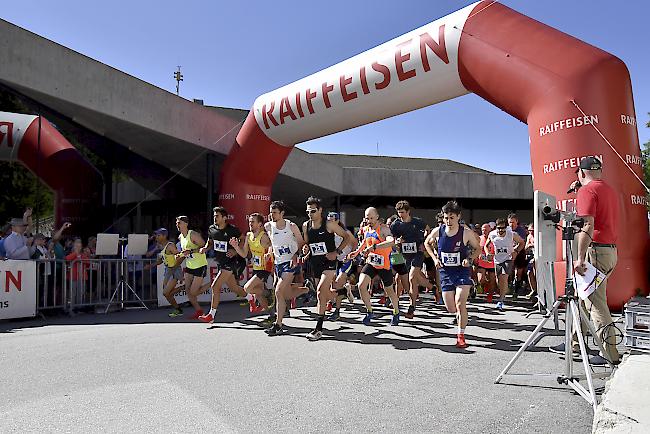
16, 245
507, 245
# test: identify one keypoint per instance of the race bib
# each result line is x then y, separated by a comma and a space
450, 259
376, 260
409, 248
486, 258
318, 249
283, 250
221, 246
257, 261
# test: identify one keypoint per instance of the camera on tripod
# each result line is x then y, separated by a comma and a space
555, 215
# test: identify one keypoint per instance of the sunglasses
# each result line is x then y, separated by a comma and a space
501, 229
311, 211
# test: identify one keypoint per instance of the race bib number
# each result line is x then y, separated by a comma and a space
257, 261
502, 250
318, 249
376, 260
450, 259
221, 246
283, 250
409, 248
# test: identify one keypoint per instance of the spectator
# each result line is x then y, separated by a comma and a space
16, 245
78, 271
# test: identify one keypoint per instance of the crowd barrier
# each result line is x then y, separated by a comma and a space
49, 285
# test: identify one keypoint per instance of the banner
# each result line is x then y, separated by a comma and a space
17, 289
205, 296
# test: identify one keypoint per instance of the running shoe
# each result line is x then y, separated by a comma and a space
440, 301
176, 312
335, 316
258, 309
382, 300
329, 306
275, 330
366, 319
395, 319
196, 314
207, 318
268, 322
411, 312
500, 306
460, 341
252, 304
293, 303
315, 335
455, 321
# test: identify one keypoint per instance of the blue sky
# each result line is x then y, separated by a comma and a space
231, 52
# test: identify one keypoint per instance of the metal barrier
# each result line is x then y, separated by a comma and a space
51, 284
94, 282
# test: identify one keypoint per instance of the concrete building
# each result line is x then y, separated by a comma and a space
160, 154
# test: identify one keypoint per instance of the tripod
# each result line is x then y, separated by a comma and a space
575, 315
122, 283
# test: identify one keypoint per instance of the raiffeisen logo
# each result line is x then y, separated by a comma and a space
387, 80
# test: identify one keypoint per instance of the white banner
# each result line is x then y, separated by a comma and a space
17, 289
204, 297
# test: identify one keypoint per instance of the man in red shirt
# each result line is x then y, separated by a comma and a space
598, 205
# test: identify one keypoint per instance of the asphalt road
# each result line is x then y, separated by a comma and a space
140, 371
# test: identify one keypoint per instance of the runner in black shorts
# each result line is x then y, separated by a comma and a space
322, 252
230, 264
409, 233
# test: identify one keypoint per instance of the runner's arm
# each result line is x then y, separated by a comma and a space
241, 249
296, 233
385, 232
473, 244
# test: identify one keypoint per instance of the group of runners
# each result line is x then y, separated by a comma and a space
323, 259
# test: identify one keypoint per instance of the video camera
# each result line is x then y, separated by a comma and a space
555, 215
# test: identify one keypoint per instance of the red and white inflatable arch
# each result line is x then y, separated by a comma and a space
75, 182
567, 92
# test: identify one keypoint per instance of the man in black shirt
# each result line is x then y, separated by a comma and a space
410, 232
230, 264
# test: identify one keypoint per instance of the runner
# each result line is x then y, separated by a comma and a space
231, 265
503, 238
454, 247
398, 265
409, 234
345, 267
320, 248
173, 271
520, 263
196, 264
286, 242
485, 271
530, 257
376, 247
257, 242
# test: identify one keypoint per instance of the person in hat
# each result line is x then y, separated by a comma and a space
598, 204
16, 245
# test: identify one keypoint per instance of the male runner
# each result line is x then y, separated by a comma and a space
196, 264
376, 247
409, 233
520, 262
503, 238
173, 271
485, 269
345, 267
286, 242
257, 242
319, 235
454, 247
230, 264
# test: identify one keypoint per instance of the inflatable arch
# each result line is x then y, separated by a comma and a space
43, 150
568, 92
